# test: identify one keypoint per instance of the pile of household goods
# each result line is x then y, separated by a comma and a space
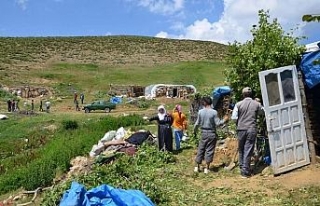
113, 143
121, 141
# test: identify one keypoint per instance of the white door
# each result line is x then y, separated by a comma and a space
285, 120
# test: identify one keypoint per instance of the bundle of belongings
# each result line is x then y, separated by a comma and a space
103, 195
120, 141
3, 117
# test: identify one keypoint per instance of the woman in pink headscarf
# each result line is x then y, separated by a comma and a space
179, 124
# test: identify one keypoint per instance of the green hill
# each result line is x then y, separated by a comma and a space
110, 50
95, 62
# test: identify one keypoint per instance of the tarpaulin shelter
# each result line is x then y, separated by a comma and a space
310, 68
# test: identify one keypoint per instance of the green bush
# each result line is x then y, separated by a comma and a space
141, 172
5, 95
144, 104
270, 48
70, 124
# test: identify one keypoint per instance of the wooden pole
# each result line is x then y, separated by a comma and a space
307, 120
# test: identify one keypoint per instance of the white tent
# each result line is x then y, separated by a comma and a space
168, 90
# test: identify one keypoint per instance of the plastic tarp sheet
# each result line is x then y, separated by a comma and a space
116, 100
220, 92
310, 67
103, 195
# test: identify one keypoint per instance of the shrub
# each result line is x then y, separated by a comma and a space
144, 104
270, 48
70, 124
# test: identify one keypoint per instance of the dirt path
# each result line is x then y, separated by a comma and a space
299, 178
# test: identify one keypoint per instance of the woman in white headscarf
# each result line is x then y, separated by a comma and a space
164, 129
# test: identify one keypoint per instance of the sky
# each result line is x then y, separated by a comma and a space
221, 21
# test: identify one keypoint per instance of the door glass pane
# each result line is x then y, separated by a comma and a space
273, 89
287, 86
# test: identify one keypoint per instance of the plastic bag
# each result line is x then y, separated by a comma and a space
185, 137
96, 149
108, 136
121, 132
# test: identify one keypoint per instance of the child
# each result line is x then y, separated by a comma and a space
207, 120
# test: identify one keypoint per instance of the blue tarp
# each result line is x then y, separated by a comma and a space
116, 100
220, 92
103, 195
310, 69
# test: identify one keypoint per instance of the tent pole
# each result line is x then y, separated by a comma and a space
307, 120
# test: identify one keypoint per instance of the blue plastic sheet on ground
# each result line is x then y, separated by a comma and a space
310, 67
116, 100
103, 195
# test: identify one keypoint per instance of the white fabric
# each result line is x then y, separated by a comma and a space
2, 117
96, 149
161, 116
108, 136
121, 132
312, 46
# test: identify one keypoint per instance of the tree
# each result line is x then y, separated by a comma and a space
270, 48
311, 17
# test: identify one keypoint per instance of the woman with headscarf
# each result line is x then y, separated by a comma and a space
179, 124
164, 129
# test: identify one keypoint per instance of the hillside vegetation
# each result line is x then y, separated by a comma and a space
109, 50
90, 64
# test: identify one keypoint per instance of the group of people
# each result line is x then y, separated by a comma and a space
12, 105
166, 121
75, 100
244, 113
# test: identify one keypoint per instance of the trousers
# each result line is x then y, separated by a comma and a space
246, 143
206, 146
178, 134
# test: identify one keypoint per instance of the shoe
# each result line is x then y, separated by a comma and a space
196, 169
206, 171
245, 176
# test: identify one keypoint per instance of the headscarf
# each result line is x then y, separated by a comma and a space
178, 108
161, 116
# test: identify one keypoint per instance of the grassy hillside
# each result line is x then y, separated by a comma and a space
90, 64
110, 50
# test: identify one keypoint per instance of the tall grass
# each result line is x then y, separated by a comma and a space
55, 156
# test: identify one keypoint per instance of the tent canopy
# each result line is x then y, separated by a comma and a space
310, 67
